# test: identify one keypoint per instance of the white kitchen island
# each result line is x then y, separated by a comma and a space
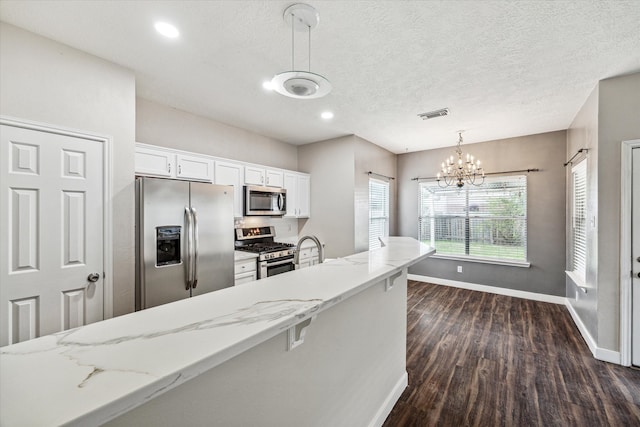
322, 346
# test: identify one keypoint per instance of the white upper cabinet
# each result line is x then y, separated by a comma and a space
304, 196
275, 178
192, 167
151, 161
256, 175
154, 162
228, 173
164, 162
298, 186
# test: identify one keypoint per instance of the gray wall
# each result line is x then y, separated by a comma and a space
370, 157
340, 191
545, 210
165, 126
583, 133
45, 81
618, 120
331, 165
609, 116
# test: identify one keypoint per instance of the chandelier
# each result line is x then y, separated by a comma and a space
458, 172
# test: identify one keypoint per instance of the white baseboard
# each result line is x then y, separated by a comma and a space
598, 352
490, 289
390, 401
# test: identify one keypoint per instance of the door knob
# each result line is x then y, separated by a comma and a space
93, 277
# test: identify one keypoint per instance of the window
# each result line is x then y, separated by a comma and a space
488, 222
378, 212
579, 219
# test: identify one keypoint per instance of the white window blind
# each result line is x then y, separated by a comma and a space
378, 211
485, 222
579, 219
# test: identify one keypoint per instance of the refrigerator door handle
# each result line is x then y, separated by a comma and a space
188, 252
194, 213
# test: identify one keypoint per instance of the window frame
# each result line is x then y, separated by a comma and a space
476, 258
374, 242
579, 266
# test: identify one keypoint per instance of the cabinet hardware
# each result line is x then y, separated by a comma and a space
169, 167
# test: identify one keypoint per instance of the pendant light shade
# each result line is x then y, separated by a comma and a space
301, 84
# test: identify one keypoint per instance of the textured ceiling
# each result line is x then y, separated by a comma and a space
503, 68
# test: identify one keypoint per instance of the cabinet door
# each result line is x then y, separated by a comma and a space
275, 178
291, 185
304, 196
253, 175
245, 278
231, 174
194, 168
154, 162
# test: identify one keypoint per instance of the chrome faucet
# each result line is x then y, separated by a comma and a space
296, 258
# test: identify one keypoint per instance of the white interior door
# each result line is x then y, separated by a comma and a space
635, 253
51, 219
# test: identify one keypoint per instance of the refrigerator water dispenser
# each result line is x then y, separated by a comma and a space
168, 245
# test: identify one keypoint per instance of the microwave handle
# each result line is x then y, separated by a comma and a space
280, 201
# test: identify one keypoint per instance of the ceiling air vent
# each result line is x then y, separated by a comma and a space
433, 114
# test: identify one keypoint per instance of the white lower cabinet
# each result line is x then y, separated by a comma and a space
308, 257
245, 271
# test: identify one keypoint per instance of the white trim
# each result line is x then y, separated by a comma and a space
388, 404
597, 352
579, 281
625, 250
107, 189
480, 260
554, 299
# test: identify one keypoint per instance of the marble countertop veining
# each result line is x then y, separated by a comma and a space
92, 374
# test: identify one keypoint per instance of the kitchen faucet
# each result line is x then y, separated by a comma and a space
296, 258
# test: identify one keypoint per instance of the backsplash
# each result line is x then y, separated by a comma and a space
286, 228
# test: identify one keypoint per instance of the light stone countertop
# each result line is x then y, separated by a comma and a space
90, 375
243, 255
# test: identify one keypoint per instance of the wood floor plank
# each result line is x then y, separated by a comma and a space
479, 359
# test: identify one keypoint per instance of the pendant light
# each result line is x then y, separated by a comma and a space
295, 83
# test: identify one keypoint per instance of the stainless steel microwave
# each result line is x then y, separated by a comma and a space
264, 201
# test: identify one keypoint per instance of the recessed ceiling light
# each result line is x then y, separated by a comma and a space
327, 115
267, 85
167, 30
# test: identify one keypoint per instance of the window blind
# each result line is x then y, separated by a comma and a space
488, 221
378, 211
579, 218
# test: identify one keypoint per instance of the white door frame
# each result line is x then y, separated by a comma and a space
625, 250
107, 147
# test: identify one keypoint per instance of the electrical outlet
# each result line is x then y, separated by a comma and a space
459, 269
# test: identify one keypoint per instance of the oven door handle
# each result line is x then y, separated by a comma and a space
273, 264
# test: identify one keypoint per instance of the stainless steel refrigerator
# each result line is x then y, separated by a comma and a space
184, 240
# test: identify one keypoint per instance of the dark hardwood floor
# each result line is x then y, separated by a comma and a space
479, 359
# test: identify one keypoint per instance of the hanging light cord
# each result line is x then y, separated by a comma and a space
309, 27
293, 40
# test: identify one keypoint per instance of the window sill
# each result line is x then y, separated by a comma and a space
579, 281
521, 264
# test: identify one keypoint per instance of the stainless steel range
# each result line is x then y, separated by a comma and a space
273, 257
